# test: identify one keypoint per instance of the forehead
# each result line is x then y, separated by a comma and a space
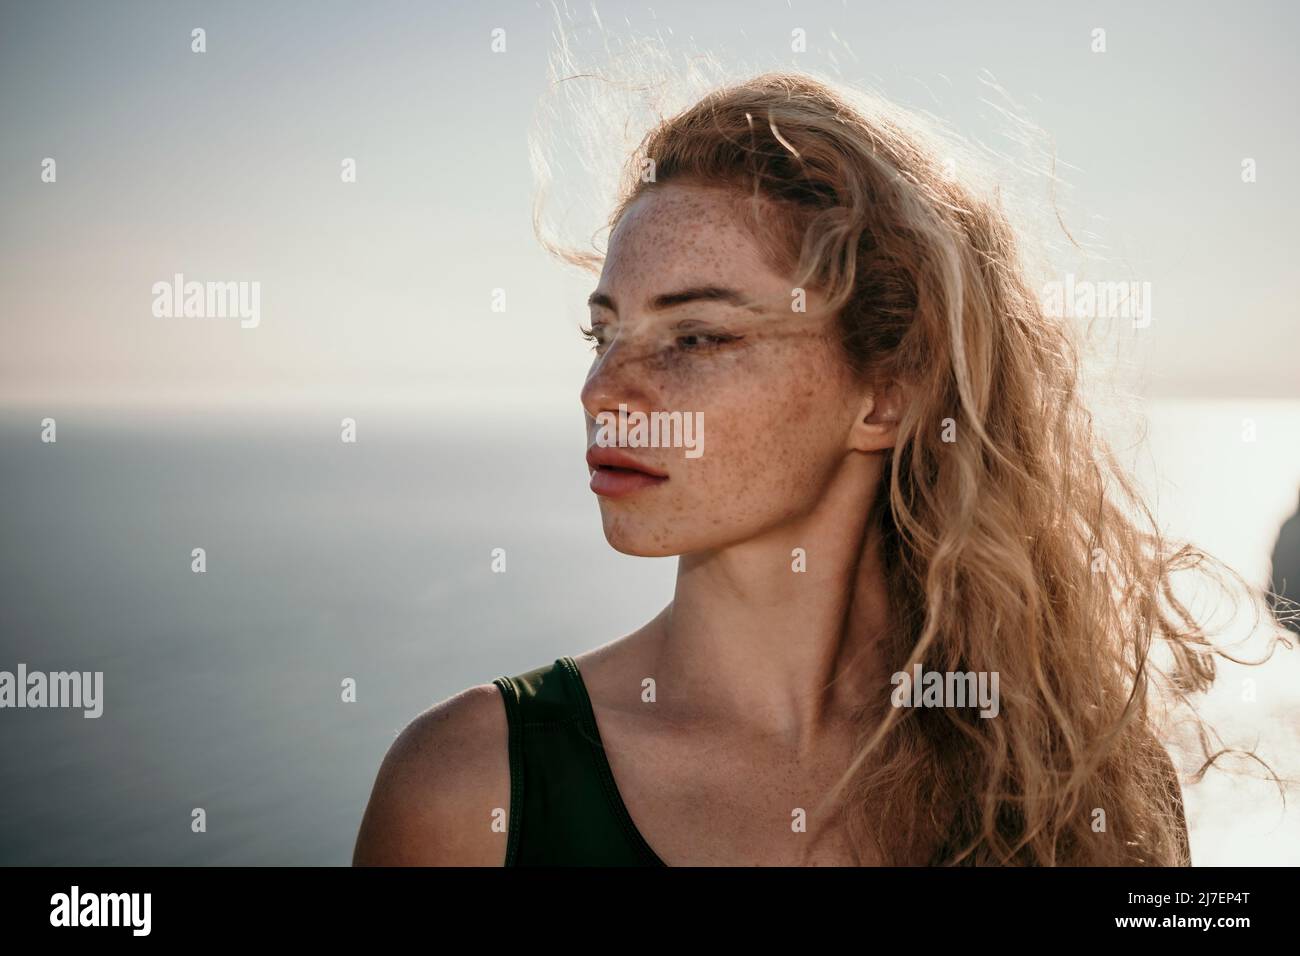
678, 232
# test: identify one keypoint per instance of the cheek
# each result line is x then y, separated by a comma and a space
771, 435
774, 428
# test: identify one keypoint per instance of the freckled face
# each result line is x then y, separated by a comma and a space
777, 399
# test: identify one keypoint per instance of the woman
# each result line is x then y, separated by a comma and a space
898, 479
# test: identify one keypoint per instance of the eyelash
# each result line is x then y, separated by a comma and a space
715, 339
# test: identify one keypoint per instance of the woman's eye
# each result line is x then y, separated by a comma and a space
699, 341
686, 342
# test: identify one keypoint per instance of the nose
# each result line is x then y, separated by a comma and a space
617, 378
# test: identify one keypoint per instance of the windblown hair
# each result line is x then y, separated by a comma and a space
1020, 547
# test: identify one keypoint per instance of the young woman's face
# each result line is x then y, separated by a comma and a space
689, 317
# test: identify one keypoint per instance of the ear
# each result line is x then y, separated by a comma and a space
876, 427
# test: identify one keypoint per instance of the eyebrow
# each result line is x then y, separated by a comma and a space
669, 300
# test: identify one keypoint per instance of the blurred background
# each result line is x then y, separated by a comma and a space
417, 301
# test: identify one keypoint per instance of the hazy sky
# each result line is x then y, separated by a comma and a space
225, 166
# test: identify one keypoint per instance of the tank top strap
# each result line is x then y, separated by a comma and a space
565, 809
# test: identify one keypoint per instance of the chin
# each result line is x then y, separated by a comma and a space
642, 552
639, 546
637, 539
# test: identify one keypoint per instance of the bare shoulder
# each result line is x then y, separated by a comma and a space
607, 669
441, 785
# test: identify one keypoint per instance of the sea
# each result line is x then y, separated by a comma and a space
347, 586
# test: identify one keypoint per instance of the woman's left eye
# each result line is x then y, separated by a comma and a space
697, 341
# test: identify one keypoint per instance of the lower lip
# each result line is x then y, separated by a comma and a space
615, 483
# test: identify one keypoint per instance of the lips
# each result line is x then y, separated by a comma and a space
616, 473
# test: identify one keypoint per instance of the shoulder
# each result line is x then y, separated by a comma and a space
608, 669
439, 786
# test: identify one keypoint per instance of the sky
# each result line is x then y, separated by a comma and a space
225, 166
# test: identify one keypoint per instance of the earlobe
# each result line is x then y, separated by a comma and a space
876, 427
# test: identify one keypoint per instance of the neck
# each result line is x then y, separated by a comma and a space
750, 639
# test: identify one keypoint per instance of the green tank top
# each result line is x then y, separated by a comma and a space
565, 809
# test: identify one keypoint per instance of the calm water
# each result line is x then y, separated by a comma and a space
372, 561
